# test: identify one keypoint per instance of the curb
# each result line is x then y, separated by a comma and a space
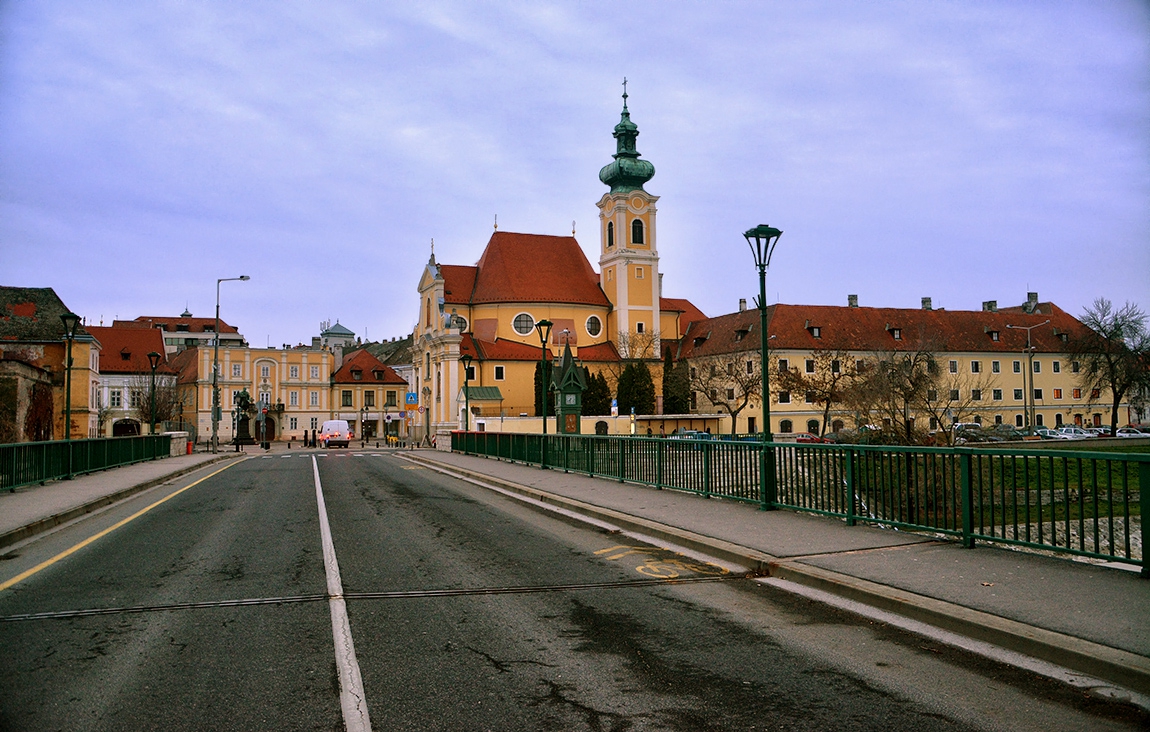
13, 536
1120, 667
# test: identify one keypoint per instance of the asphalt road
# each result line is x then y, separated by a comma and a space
468, 611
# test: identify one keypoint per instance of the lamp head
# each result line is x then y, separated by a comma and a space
762, 240
544, 328
244, 278
154, 359
71, 321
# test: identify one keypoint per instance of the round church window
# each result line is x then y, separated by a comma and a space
523, 324
594, 326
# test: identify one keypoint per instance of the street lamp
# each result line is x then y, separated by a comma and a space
71, 322
1028, 394
466, 360
154, 360
363, 426
544, 328
216, 366
762, 240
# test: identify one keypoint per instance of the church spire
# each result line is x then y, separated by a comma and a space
628, 172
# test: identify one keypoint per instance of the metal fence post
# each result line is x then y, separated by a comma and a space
967, 498
659, 453
707, 469
849, 479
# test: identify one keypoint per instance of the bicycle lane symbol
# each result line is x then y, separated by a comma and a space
662, 563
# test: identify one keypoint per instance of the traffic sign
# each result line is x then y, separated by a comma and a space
411, 397
421, 409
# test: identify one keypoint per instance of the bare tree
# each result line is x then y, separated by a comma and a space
824, 380
1114, 355
169, 398
730, 382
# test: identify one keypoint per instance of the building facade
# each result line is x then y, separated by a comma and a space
125, 378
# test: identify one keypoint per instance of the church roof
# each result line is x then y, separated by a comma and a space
337, 330
690, 313
526, 268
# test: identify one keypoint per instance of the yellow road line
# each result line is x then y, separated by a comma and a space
48, 563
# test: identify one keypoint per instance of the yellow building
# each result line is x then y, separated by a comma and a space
490, 311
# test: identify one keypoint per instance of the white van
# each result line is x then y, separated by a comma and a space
335, 433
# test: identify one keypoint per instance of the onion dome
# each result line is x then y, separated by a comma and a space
628, 172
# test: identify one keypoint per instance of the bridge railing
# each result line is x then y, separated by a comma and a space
1069, 501
25, 463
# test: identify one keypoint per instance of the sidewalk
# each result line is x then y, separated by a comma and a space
1094, 620
37, 508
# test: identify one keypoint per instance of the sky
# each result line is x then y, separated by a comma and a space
965, 151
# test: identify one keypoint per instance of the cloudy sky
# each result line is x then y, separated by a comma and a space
966, 151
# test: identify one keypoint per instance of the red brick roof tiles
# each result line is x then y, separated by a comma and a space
368, 367
535, 268
195, 325
125, 350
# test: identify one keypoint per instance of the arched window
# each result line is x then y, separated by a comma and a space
637, 231
523, 324
813, 426
785, 426
837, 425
610, 234
427, 313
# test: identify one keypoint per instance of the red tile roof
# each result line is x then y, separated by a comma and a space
195, 325
125, 350
458, 282
531, 268
504, 350
689, 313
186, 364
372, 370
872, 329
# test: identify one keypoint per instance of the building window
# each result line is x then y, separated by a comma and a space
314, 399
976, 395
934, 423
996, 367
1038, 395
1018, 420
115, 398
369, 399
1076, 393
1056, 367
345, 398
694, 373
640, 328
1038, 420
816, 331
996, 395
998, 419
610, 234
810, 397
976, 367
1018, 367
731, 369
994, 335
714, 395
785, 426
470, 373
523, 324
134, 397
637, 231
1058, 419
954, 367
357, 375
1075, 367
293, 372
1018, 395
784, 397
266, 398
293, 423
750, 369
293, 398
730, 394
954, 395
1057, 393
694, 400
265, 371
897, 333
931, 395
836, 367
499, 373
315, 423
594, 326
784, 365
978, 419
1038, 367
389, 400
315, 372
638, 273
810, 366
1095, 393
237, 371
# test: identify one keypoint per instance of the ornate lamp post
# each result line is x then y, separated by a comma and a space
71, 322
154, 360
216, 366
544, 328
762, 240
466, 360
1028, 394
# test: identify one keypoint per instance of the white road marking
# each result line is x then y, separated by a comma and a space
351, 696
285, 456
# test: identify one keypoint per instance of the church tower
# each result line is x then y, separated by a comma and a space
628, 256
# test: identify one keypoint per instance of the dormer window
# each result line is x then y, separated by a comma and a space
378, 375
125, 355
814, 330
741, 334
896, 333
991, 332
357, 375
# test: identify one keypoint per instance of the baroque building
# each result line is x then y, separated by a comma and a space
490, 311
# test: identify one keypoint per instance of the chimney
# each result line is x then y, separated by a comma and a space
926, 303
852, 301
990, 306
742, 304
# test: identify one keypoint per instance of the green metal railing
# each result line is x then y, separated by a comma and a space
26, 463
1069, 501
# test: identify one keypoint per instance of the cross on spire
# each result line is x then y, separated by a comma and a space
624, 93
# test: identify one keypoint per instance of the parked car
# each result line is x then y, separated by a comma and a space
973, 434
1098, 431
807, 437
1046, 433
1008, 432
1074, 433
335, 433
1129, 432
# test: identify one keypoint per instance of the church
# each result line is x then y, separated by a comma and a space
489, 315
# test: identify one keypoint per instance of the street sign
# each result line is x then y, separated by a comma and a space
421, 410
411, 398
387, 418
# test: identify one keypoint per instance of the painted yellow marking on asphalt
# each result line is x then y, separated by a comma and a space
49, 562
629, 550
412, 467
